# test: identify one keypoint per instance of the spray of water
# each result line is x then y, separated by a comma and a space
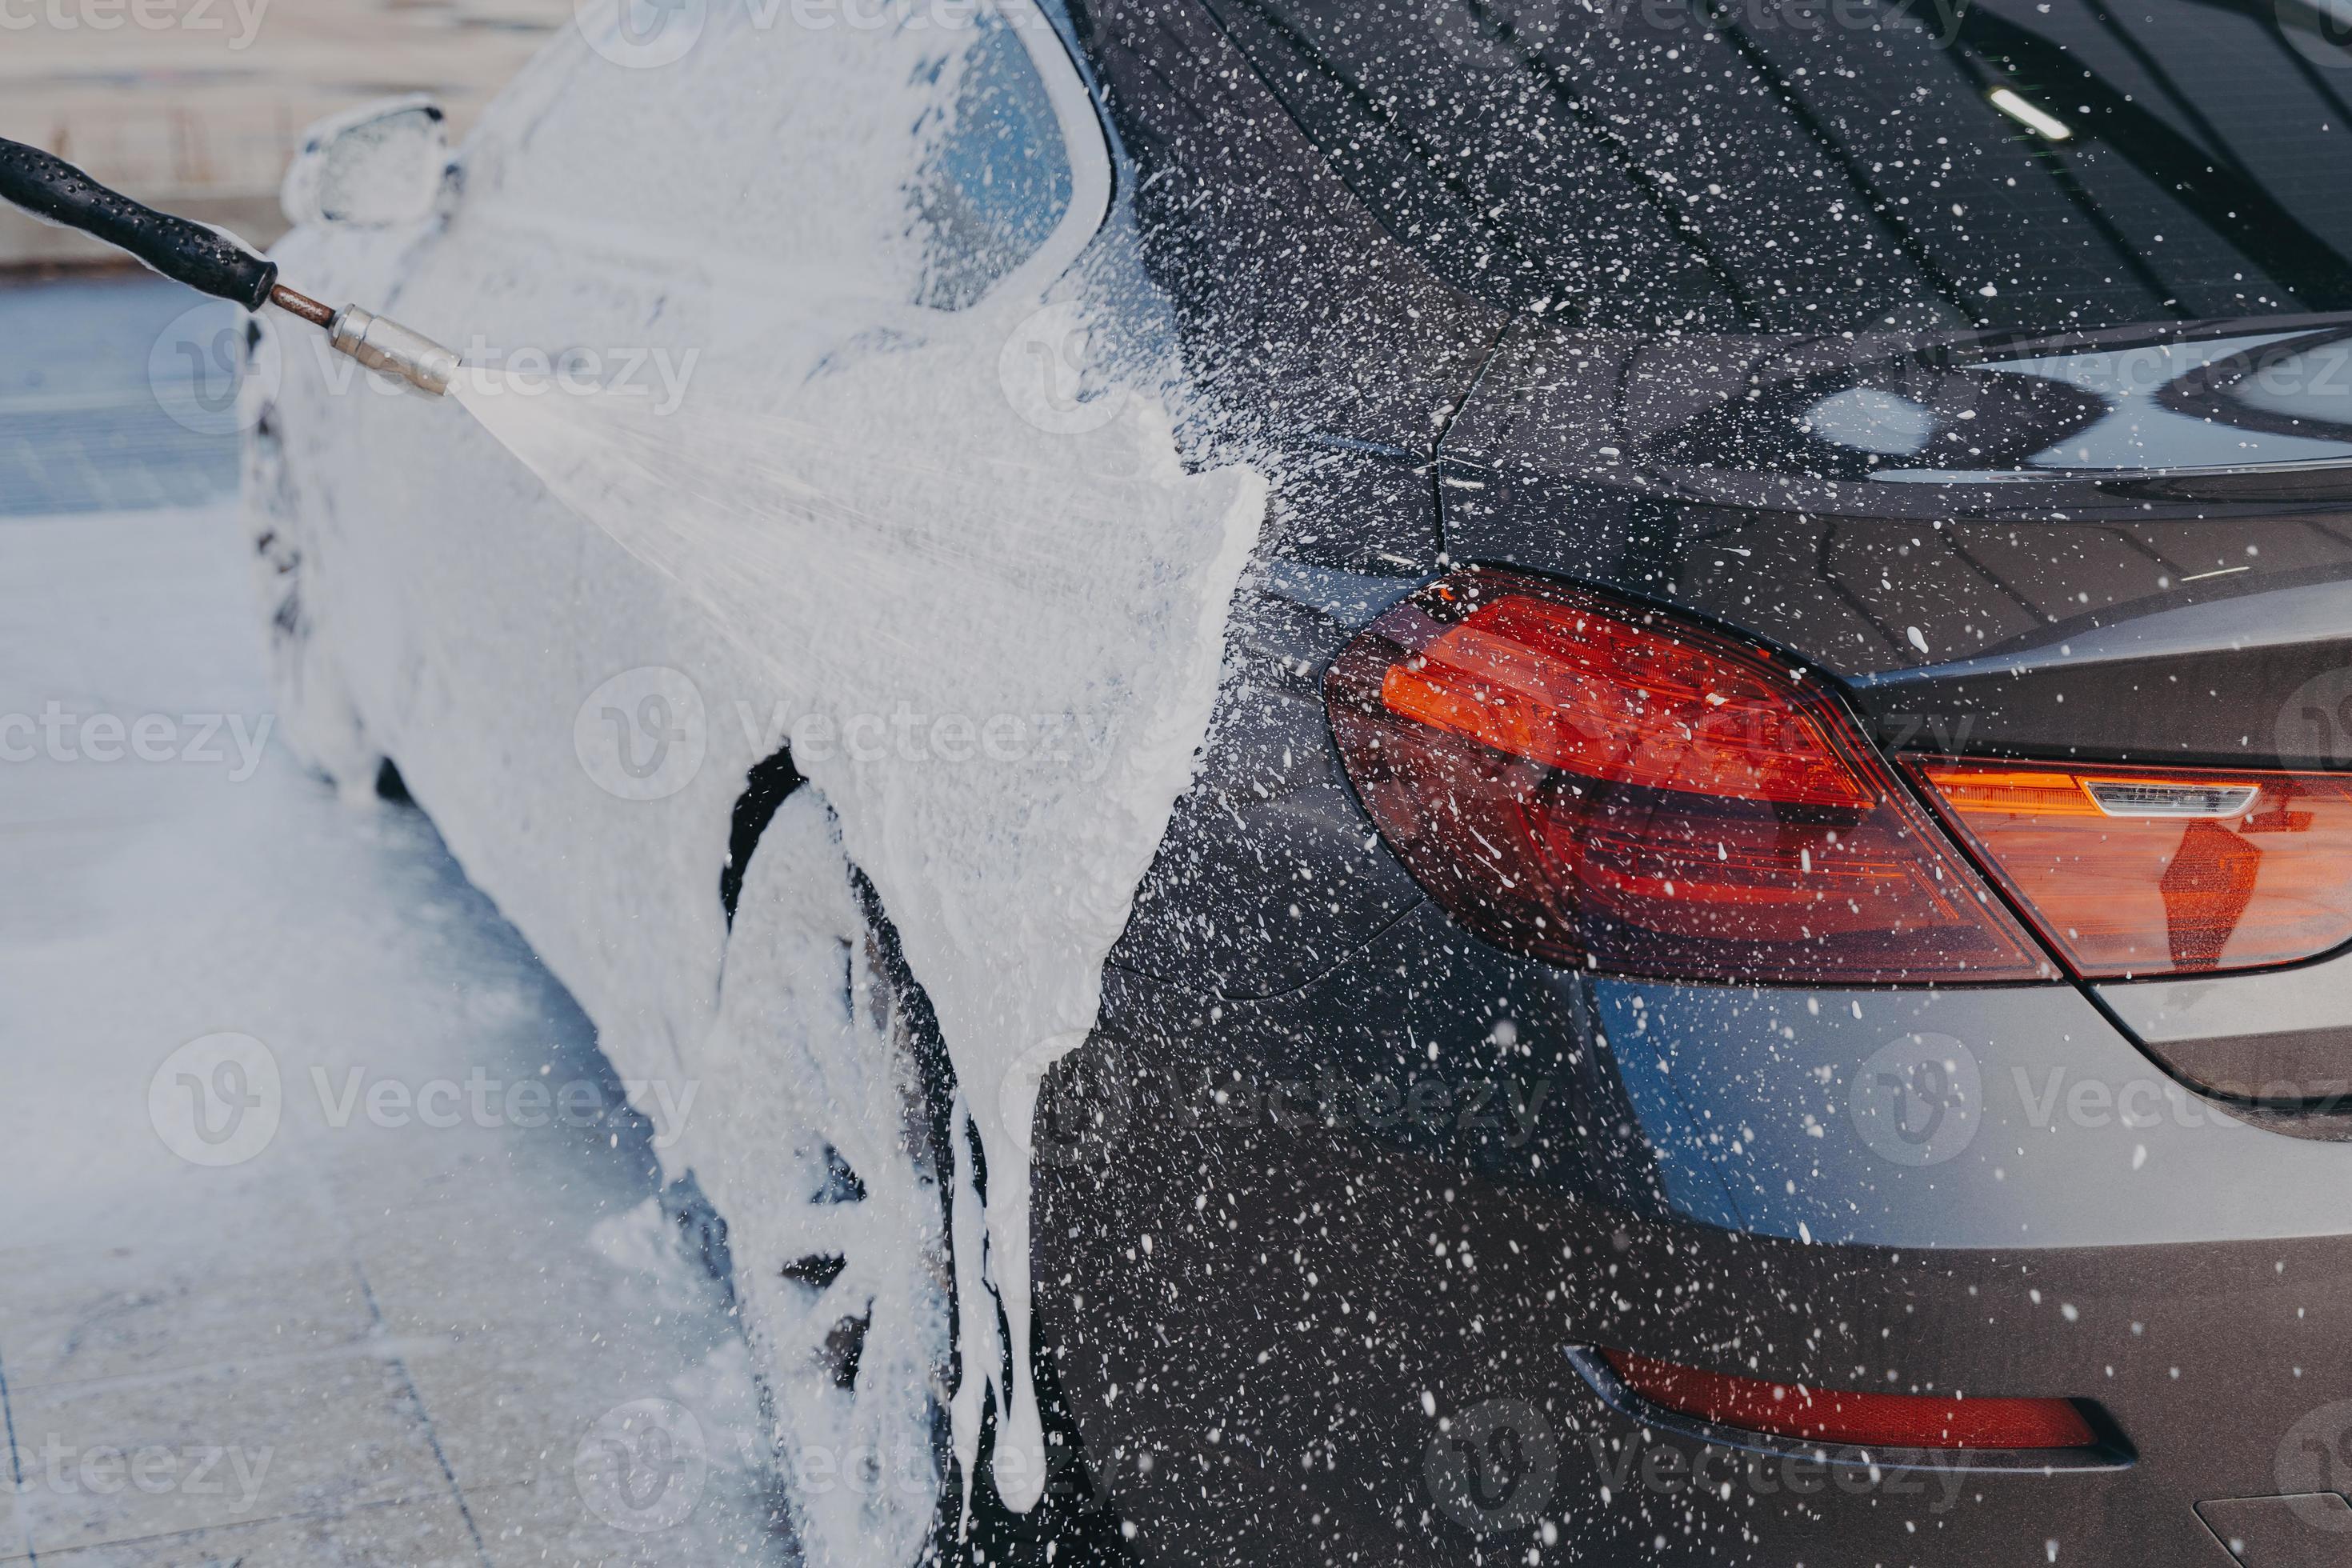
761, 517
879, 566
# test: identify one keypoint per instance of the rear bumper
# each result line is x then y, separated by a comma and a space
1380, 1217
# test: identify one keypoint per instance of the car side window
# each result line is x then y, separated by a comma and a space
997, 183
841, 161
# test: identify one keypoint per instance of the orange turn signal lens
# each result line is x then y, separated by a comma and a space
2133, 872
1844, 1415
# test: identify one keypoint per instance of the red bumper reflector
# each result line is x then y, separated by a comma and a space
1846, 1415
2137, 871
1600, 784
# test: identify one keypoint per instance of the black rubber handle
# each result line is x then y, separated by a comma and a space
52, 188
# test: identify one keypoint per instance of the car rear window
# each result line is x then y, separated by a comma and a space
1810, 166
998, 181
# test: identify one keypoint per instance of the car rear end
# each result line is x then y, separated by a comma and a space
1479, 1240
1786, 997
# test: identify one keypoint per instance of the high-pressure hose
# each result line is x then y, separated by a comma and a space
211, 262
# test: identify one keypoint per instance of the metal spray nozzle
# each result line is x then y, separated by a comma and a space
382, 344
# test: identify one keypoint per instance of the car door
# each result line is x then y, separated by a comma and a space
700, 211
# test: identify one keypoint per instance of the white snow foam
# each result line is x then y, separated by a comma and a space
1061, 596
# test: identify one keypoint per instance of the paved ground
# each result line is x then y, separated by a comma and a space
416, 1322
116, 393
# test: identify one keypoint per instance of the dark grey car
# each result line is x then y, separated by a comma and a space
1529, 1178
1756, 971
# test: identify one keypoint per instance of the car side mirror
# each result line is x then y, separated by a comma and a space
378, 165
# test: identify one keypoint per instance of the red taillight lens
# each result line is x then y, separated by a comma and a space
1841, 1416
2142, 871
1602, 785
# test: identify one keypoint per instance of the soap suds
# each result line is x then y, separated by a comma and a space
993, 642
1069, 585
820, 1155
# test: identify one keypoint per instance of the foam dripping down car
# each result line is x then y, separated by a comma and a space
1754, 964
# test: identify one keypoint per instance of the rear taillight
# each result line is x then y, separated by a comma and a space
2141, 871
1599, 785
1852, 1415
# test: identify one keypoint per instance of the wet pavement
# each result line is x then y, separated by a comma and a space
302, 1258
117, 393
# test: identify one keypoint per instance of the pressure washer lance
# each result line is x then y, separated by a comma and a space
211, 262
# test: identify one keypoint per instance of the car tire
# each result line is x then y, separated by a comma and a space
825, 1144
821, 1141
